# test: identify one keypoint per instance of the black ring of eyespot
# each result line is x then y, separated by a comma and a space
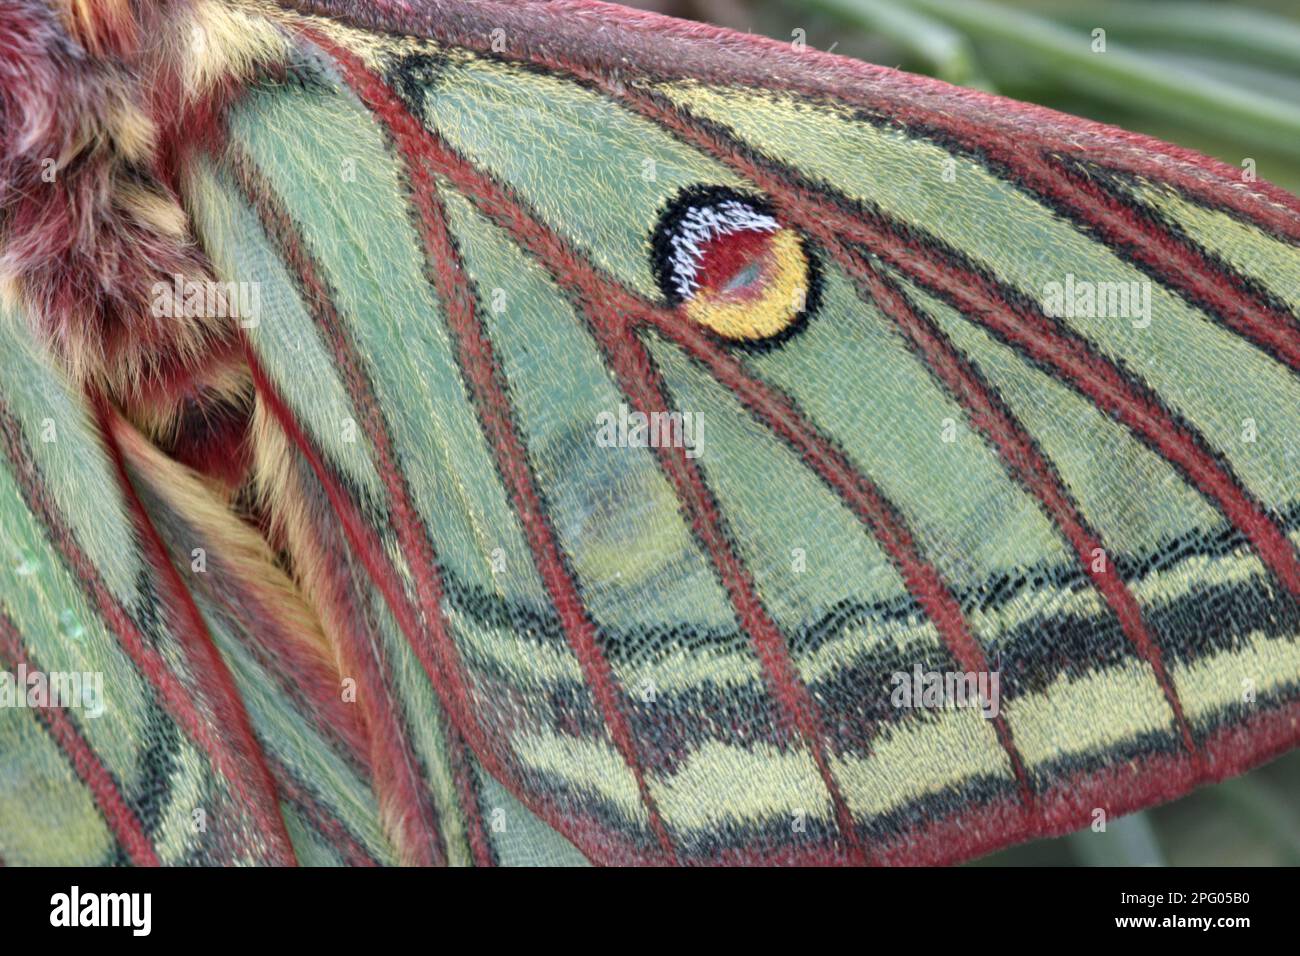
661, 251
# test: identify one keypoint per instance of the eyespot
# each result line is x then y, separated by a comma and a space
727, 261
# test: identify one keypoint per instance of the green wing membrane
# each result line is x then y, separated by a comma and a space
139, 727
657, 656
130, 769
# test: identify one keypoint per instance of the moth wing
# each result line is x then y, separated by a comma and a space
146, 717
944, 476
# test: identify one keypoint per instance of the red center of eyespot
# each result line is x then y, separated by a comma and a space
735, 264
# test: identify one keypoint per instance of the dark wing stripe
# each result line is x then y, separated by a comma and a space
646, 45
487, 391
609, 309
1034, 654
1140, 235
120, 819
493, 406
645, 390
777, 412
1118, 176
611, 845
1020, 454
425, 626
419, 815
213, 676
1177, 441
632, 366
480, 843
1135, 232
1010, 316
241, 767
328, 825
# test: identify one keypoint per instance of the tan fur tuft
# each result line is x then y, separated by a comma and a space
243, 551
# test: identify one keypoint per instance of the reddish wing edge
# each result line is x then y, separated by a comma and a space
558, 35
721, 56
664, 48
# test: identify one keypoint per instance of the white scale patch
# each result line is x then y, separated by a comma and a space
702, 225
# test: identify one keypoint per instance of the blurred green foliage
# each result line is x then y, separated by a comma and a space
1221, 78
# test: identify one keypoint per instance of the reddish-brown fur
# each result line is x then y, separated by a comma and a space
94, 136
90, 217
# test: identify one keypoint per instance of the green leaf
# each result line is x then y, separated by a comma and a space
943, 50
1125, 76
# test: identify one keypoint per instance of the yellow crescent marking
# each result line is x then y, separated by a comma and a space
781, 302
